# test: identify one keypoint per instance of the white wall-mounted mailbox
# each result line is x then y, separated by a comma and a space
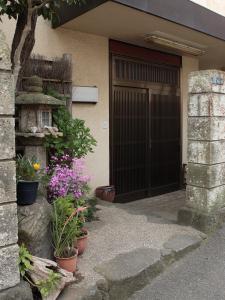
85, 94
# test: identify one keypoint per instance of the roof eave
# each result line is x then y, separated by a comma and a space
182, 12
67, 13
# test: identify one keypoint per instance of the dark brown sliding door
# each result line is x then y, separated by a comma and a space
145, 128
130, 140
165, 143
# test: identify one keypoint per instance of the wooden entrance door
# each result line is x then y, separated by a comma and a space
130, 141
145, 128
165, 166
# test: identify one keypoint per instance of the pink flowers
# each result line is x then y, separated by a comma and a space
67, 180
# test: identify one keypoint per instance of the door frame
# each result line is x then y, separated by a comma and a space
133, 52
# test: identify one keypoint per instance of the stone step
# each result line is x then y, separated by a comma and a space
129, 272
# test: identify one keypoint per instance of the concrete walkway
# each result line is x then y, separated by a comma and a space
198, 276
129, 245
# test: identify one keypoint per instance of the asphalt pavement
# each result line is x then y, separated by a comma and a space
198, 276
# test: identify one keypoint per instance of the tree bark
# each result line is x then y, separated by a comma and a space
69, 100
23, 42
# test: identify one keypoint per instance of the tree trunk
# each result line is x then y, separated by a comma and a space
28, 43
69, 100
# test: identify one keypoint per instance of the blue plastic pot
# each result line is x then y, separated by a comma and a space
27, 192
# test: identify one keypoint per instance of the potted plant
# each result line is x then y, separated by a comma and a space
64, 232
82, 232
81, 240
28, 176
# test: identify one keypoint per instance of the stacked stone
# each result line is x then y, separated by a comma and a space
9, 273
206, 149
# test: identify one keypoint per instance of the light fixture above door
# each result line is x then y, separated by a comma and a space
180, 45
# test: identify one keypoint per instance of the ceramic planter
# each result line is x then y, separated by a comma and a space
106, 193
69, 264
81, 243
27, 192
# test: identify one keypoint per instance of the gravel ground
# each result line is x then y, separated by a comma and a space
125, 227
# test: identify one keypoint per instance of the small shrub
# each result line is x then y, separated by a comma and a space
25, 260
91, 209
46, 286
66, 180
76, 141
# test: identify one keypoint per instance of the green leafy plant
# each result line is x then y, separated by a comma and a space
45, 287
64, 226
25, 259
89, 214
81, 220
86, 215
55, 94
77, 140
27, 169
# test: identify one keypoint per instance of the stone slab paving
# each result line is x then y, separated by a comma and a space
128, 246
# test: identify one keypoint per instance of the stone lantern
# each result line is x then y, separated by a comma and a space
35, 118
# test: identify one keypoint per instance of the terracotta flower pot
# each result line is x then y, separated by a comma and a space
69, 264
81, 242
106, 193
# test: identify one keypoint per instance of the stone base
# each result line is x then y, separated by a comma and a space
34, 227
201, 221
22, 291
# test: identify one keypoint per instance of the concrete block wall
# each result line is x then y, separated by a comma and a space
206, 141
9, 273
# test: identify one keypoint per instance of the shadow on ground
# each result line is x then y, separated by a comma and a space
160, 209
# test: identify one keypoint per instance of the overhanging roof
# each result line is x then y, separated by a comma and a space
182, 12
67, 13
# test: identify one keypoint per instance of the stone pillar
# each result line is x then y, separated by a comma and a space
206, 151
9, 273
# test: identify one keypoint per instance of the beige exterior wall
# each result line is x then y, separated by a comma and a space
90, 68
189, 64
217, 6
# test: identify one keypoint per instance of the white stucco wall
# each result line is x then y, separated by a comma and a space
217, 6
91, 68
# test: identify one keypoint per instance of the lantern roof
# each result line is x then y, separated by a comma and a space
33, 94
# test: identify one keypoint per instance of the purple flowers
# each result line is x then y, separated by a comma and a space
67, 178
60, 160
